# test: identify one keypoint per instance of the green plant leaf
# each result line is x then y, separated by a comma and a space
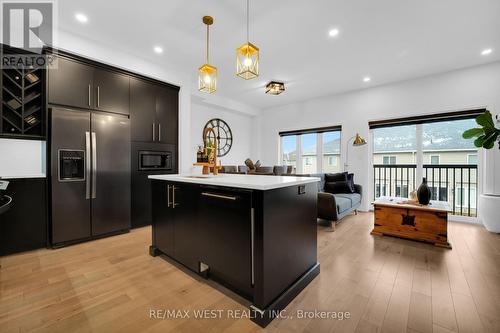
489, 141
470, 133
480, 141
486, 120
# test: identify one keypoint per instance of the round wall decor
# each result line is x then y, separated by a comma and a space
224, 136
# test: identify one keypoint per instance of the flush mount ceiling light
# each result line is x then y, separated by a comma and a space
207, 74
247, 56
367, 79
486, 51
275, 88
333, 32
82, 18
158, 49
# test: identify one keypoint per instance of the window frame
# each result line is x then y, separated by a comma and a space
435, 155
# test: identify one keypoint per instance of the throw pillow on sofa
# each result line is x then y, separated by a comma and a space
338, 187
350, 180
335, 177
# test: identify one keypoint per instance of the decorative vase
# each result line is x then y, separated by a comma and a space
424, 193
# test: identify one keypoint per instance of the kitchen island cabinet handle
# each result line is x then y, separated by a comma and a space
173, 196
219, 196
168, 195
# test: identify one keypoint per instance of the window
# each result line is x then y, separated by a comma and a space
308, 143
472, 159
434, 159
312, 150
407, 149
331, 151
289, 150
389, 160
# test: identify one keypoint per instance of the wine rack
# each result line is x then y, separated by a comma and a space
22, 109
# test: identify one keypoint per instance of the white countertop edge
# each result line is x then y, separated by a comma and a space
253, 182
23, 176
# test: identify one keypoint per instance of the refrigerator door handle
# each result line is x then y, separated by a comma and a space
87, 165
94, 164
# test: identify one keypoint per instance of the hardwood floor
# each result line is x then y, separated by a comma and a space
387, 284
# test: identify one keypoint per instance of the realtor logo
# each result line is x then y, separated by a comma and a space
28, 26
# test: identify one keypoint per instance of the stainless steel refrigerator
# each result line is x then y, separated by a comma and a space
90, 174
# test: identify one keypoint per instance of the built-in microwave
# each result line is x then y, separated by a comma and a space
155, 160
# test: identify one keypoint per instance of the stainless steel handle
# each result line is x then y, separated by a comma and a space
159, 132
153, 131
89, 94
94, 165
87, 165
168, 195
219, 196
173, 196
252, 237
98, 96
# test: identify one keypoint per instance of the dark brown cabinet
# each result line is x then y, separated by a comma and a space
74, 83
175, 222
111, 91
153, 112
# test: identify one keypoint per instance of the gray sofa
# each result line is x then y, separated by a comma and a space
334, 207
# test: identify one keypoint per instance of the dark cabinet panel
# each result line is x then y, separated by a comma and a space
163, 224
111, 91
24, 226
142, 110
70, 83
167, 104
184, 211
225, 245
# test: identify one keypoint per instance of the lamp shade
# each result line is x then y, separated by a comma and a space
247, 61
359, 141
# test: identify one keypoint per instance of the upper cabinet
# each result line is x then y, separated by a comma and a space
76, 84
153, 112
70, 83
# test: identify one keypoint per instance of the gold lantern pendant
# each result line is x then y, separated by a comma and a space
247, 57
207, 74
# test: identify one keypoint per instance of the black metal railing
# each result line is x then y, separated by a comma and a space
455, 183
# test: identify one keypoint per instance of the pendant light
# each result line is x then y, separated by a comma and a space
207, 74
247, 56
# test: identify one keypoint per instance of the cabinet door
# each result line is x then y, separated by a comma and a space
111, 91
167, 108
186, 245
225, 245
70, 83
163, 223
142, 111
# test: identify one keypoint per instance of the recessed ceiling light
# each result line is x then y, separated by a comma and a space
81, 18
333, 32
158, 49
486, 51
367, 79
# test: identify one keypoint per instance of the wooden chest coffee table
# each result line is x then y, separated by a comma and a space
422, 223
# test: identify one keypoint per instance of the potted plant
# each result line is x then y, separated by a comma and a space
486, 135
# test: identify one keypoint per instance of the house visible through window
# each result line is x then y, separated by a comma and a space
389, 159
312, 150
435, 159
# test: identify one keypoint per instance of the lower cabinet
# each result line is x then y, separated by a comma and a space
225, 230
196, 224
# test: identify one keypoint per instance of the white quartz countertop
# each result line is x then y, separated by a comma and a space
253, 182
38, 175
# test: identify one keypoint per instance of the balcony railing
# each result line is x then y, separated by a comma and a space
455, 183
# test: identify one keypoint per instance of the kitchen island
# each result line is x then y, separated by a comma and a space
256, 235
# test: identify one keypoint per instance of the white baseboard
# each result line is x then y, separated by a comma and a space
464, 219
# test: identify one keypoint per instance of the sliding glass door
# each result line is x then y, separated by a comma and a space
405, 153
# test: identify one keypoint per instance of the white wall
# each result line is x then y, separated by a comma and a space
22, 158
242, 127
457, 90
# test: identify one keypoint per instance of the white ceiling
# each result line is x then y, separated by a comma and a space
388, 40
